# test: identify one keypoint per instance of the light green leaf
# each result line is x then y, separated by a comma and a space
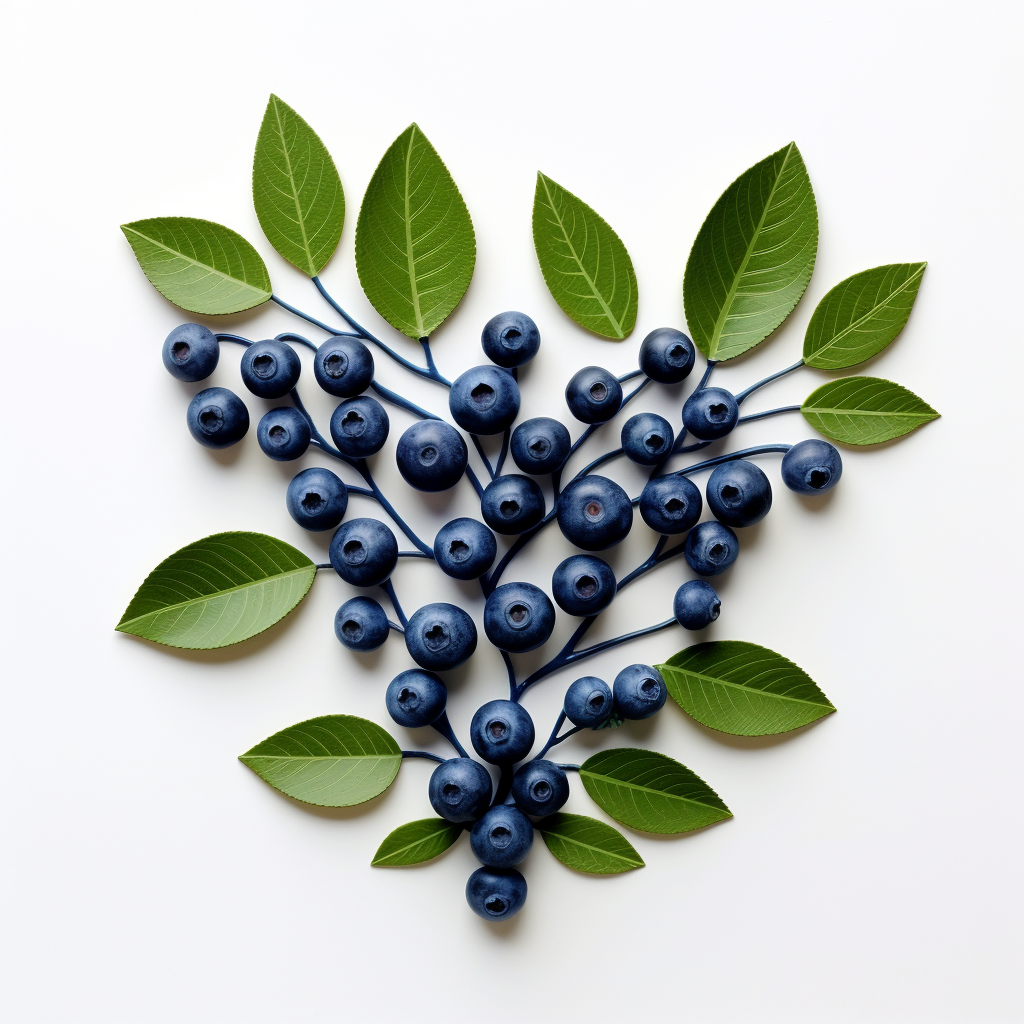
415, 247
743, 689
584, 263
586, 844
296, 189
416, 842
332, 761
753, 256
198, 265
651, 792
219, 591
861, 315
865, 410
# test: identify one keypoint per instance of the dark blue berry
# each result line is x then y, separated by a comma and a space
510, 339
343, 367
502, 837
811, 467
317, 499
191, 352
460, 789
541, 787
431, 455
583, 585
496, 894
512, 504
710, 548
593, 395
588, 702
415, 698
440, 636
710, 413
670, 504
639, 692
667, 355
217, 418
361, 624
594, 513
283, 433
696, 605
739, 494
484, 400
540, 445
518, 617
359, 427
647, 438
364, 552
270, 369
502, 732
464, 549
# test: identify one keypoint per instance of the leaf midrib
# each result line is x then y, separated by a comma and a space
636, 862
295, 194
414, 290
436, 834
869, 412
752, 689
314, 757
659, 792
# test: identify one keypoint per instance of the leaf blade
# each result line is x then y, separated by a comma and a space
416, 842
588, 845
865, 410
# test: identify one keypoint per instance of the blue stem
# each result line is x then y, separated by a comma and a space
761, 449
233, 337
478, 444
504, 451
389, 588
770, 412
298, 339
311, 319
364, 471
444, 727
510, 668
475, 481
767, 380
396, 627
403, 403
424, 754
629, 376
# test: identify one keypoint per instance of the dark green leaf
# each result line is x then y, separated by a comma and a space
753, 256
861, 315
865, 410
219, 591
743, 689
415, 247
651, 792
589, 845
584, 263
332, 761
296, 189
198, 265
416, 842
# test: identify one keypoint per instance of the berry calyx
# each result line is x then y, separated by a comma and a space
540, 787
270, 369
639, 692
361, 624
440, 636
316, 499
484, 400
510, 339
190, 352
670, 504
540, 445
710, 548
710, 413
283, 434
739, 494
496, 894
415, 698
460, 789
667, 355
359, 427
647, 438
464, 549
502, 732
588, 702
583, 585
593, 395
696, 605
512, 504
431, 455
364, 552
594, 513
343, 367
518, 617
812, 467
502, 837
217, 418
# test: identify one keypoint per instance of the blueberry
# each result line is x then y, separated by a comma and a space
359, 427
710, 413
502, 837
416, 698
588, 702
667, 355
639, 692
510, 339
364, 552
647, 438
583, 585
518, 617
460, 789
496, 894
317, 499
739, 494
696, 605
502, 732
343, 367
670, 504
540, 445
431, 455
217, 418
361, 624
270, 369
541, 787
512, 504
593, 395
710, 548
283, 434
484, 400
594, 513
464, 549
811, 467
440, 636
191, 352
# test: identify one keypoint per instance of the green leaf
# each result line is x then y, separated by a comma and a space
219, 591
296, 189
743, 689
584, 263
586, 844
416, 842
415, 247
331, 761
753, 256
861, 315
865, 410
651, 792
198, 265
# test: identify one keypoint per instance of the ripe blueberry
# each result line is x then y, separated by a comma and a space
464, 549
647, 438
415, 698
518, 617
541, 787
588, 702
460, 789
502, 732
502, 837
343, 367
710, 548
667, 355
512, 503
431, 455
540, 445
496, 894
593, 395
583, 585
710, 413
639, 692
361, 624
270, 369
317, 499
191, 352
594, 513
440, 636
217, 418
484, 400
283, 434
696, 605
811, 467
739, 494
364, 552
359, 427
670, 504
510, 339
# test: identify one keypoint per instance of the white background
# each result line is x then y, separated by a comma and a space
871, 871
